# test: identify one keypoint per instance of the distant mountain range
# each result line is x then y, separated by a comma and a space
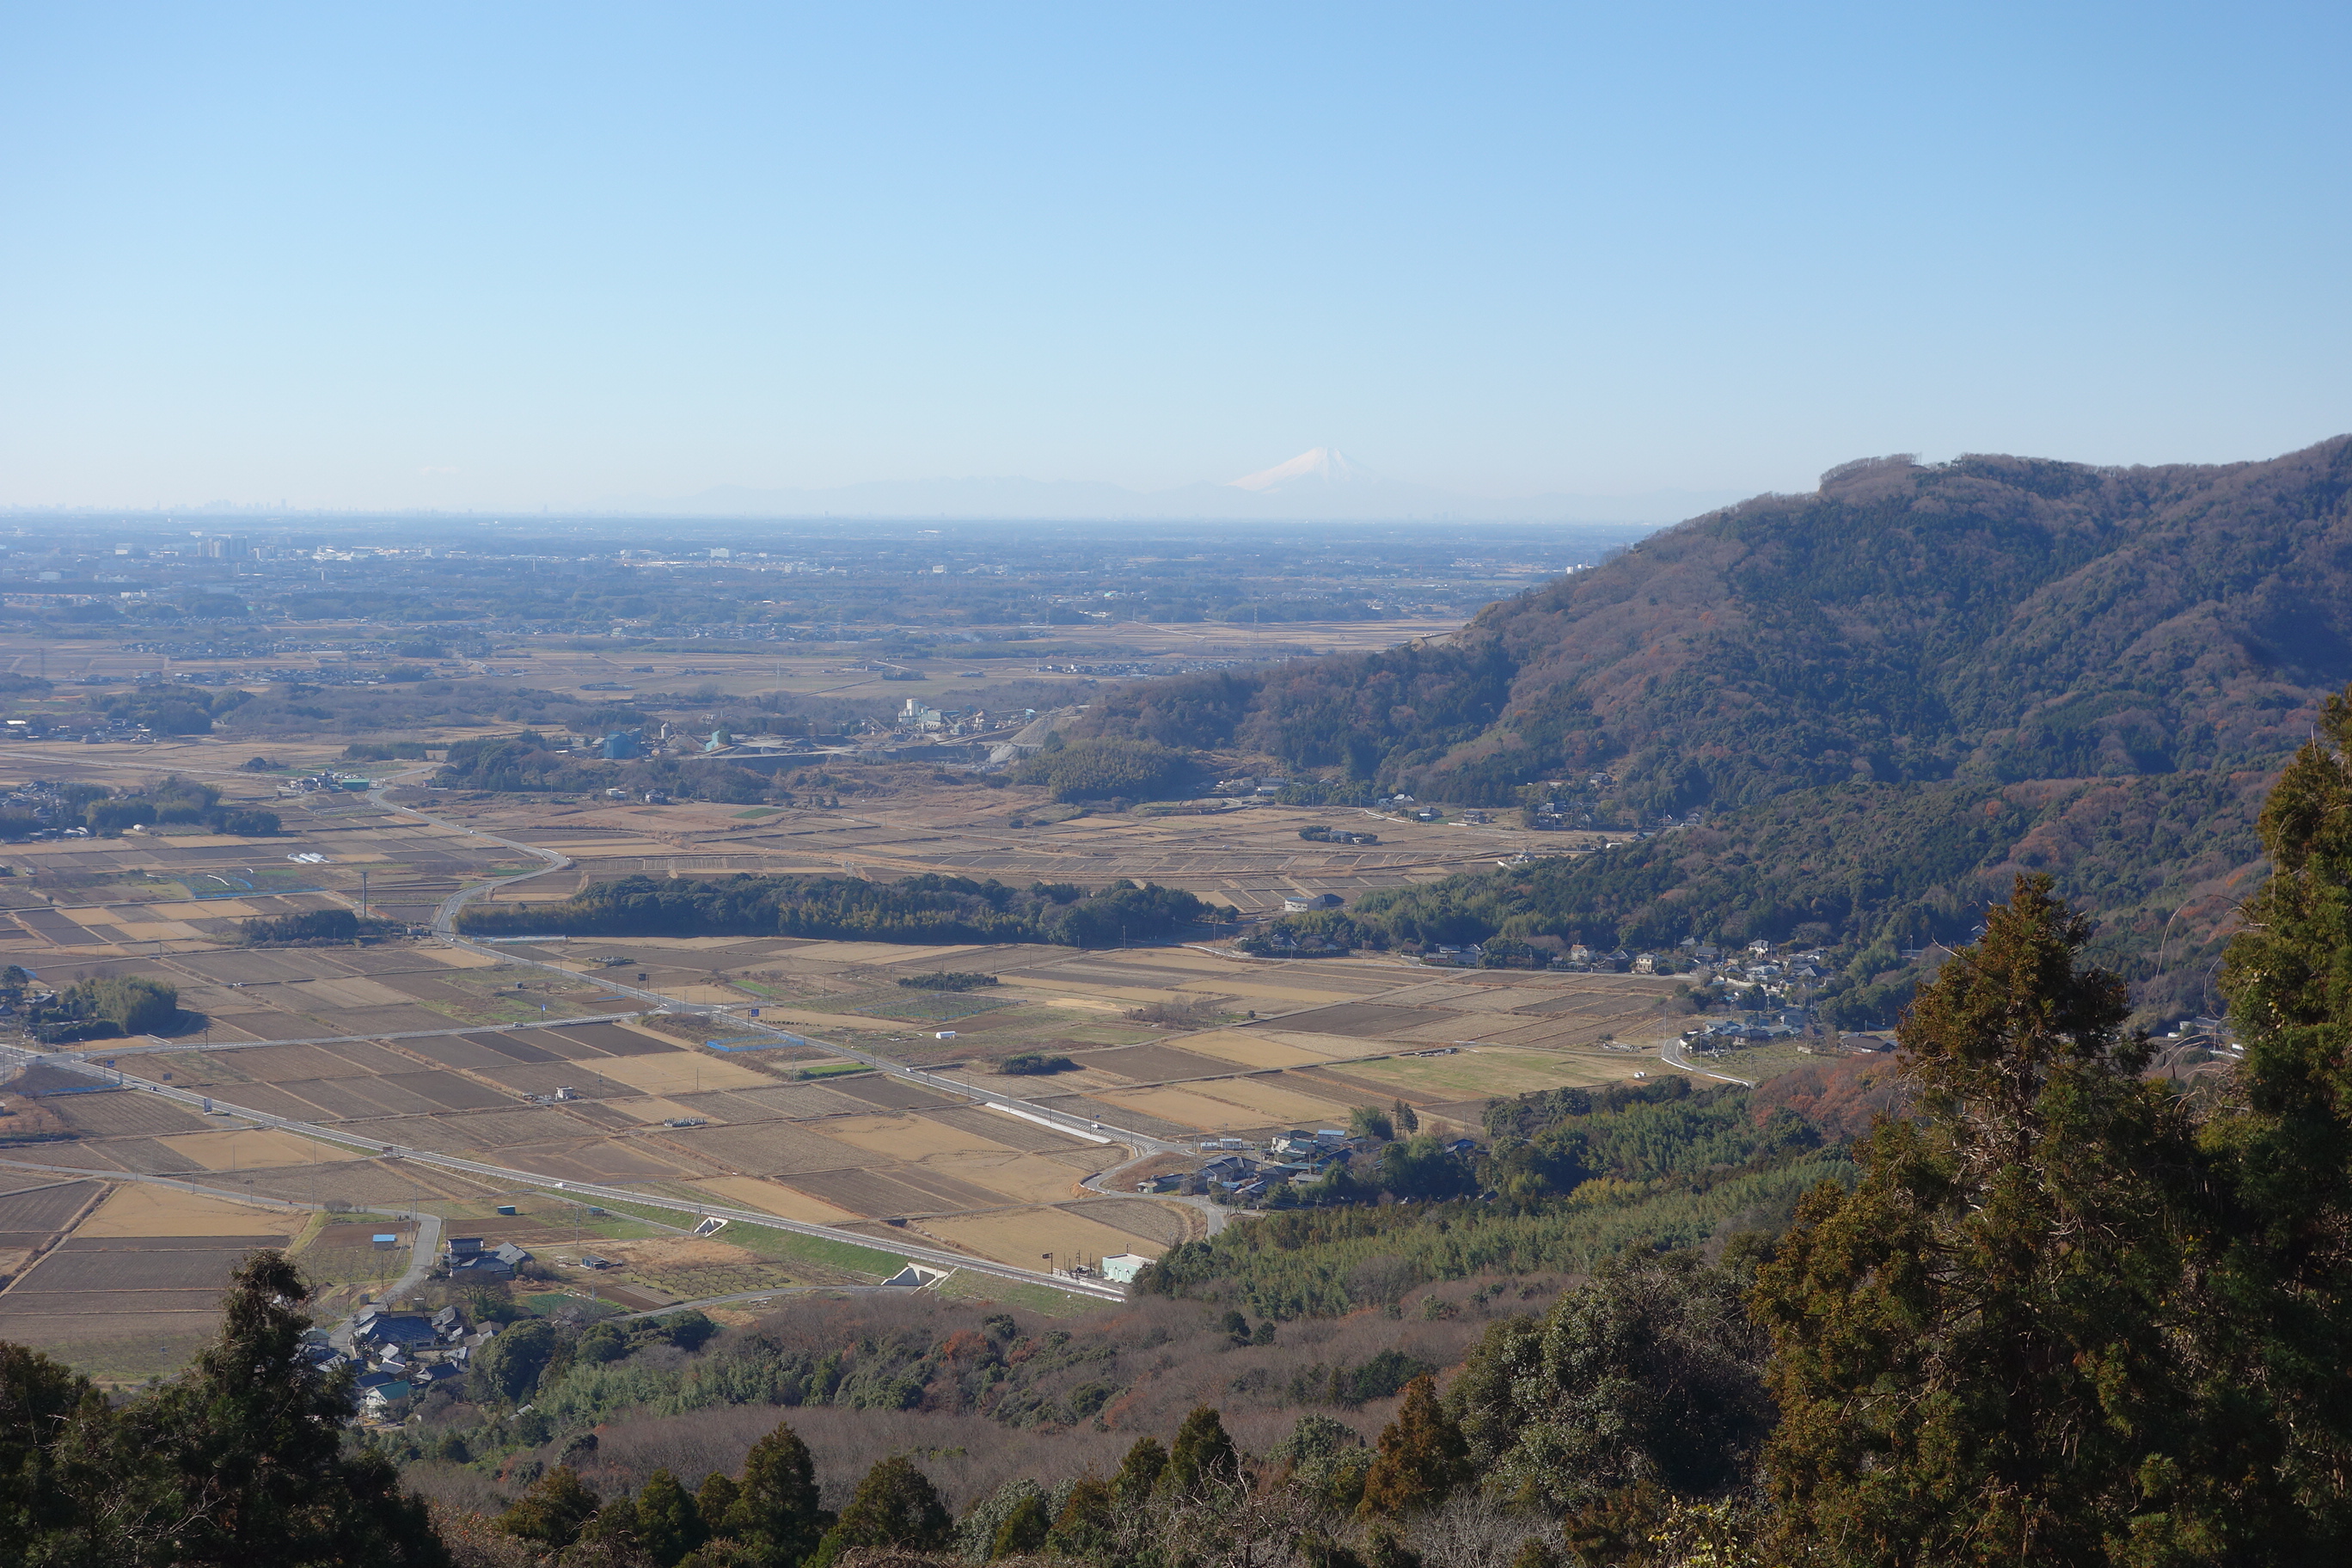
1888, 696
1320, 484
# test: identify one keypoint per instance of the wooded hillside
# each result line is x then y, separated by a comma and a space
1884, 697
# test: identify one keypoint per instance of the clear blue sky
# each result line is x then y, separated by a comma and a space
511, 255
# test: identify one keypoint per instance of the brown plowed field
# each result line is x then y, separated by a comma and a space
447, 1091
1580, 1001
266, 1025
271, 1101
1114, 1114
457, 1051
726, 1107
1010, 1131
356, 1182
607, 1117
290, 1064
113, 1112
177, 1336
13, 1181
1138, 1217
398, 1100
866, 1193
803, 1100
1565, 1033
79, 1156
950, 1192
558, 1044
367, 1057
45, 1208
546, 1078
337, 1101
895, 1092
135, 1263
1154, 1064
770, 1149
150, 1158
607, 1161
611, 1039
1355, 1089
1365, 1020
509, 1047
364, 1233
490, 1130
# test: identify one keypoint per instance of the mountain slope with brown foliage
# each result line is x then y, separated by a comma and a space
2028, 665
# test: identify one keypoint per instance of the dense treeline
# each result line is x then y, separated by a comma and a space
310, 926
171, 708
518, 763
924, 909
175, 801
1107, 769
102, 1007
529, 763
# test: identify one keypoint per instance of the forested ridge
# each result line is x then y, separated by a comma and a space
922, 908
2002, 663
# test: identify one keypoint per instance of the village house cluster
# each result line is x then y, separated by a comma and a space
1238, 1171
398, 1354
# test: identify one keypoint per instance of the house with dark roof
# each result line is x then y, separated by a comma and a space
386, 1330
465, 1257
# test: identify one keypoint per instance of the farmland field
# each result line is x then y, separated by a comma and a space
1023, 1235
524, 1059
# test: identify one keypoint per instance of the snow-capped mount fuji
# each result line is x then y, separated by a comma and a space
1318, 467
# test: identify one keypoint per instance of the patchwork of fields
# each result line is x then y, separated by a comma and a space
121, 1211
1260, 1046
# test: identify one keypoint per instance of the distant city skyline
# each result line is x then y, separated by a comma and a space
1523, 260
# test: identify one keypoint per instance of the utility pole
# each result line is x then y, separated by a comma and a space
363, 893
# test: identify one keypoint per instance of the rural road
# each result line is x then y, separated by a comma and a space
594, 1192
1670, 1053
421, 1257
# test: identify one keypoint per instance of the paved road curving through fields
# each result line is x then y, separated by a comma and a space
594, 1190
1670, 1053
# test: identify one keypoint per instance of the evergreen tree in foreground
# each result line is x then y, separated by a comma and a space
667, 1524
1988, 1351
555, 1512
2283, 1280
773, 1513
1202, 1457
1421, 1457
895, 1505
